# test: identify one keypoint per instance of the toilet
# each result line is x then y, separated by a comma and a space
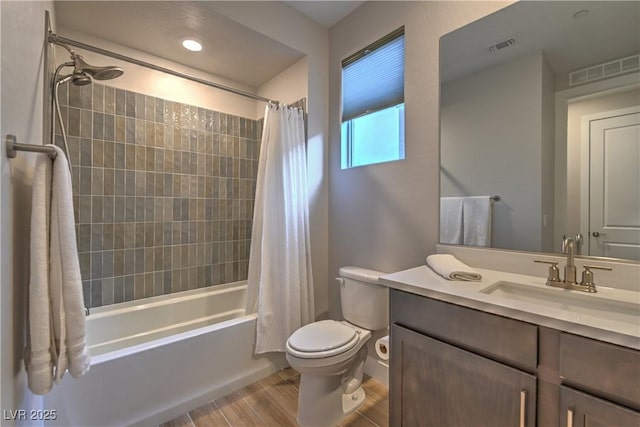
330, 354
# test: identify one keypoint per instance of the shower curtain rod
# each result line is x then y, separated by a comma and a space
56, 39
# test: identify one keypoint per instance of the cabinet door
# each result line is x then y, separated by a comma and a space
579, 409
437, 384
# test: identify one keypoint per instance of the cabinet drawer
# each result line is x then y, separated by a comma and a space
602, 368
505, 339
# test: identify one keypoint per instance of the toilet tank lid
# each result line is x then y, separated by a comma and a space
362, 274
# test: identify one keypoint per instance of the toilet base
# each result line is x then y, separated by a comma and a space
324, 404
351, 402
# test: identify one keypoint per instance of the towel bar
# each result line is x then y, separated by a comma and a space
13, 147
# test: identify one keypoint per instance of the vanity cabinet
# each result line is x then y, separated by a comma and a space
457, 366
453, 366
443, 385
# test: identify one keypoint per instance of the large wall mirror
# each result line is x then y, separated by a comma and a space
540, 129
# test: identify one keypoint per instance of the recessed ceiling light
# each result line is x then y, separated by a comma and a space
192, 45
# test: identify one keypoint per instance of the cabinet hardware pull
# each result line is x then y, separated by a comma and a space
523, 404
570, 417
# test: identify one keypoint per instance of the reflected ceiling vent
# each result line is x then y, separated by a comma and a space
605, 70
502, 45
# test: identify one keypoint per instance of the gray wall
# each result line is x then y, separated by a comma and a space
492, 144
385, 216
22, 75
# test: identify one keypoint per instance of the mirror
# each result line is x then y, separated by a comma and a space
540, 107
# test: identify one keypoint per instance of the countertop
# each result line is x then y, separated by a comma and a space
425, 282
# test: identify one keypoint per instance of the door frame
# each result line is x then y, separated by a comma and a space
585, 167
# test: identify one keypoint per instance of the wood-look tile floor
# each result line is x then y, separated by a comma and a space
273, 402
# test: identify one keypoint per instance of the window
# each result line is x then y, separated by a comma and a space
373, 103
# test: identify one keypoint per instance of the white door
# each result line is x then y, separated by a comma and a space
614, 187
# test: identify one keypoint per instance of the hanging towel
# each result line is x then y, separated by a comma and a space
451, 220
56, 339
477, 221
67, 302
39, 355
451, 268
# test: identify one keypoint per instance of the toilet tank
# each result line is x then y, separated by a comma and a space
364, 301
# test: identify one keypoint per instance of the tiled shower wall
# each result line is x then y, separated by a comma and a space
163, 192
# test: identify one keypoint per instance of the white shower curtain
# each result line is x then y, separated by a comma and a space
280, 283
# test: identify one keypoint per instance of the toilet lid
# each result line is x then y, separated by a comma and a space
323, 336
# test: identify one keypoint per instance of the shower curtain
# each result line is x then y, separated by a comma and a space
280, 286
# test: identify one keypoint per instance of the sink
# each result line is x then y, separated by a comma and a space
608, 305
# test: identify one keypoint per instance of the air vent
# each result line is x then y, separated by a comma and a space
605, 71
502, 45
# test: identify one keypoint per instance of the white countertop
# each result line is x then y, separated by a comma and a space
425, 282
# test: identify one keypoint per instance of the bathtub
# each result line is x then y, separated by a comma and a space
155, 359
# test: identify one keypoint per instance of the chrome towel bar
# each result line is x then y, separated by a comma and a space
13, 147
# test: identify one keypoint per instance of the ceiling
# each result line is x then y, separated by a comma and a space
608, 31
326, 13
230, 50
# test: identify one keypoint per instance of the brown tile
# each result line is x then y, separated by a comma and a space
238, 412
138, 291
150, 133
208, 415
140, 106
283, 392
181, 421
97, 154
268, 408
130, 130
118, 263
120, 102
120, 130
109, 100
356, 420
376, 405
109, 154
86, 122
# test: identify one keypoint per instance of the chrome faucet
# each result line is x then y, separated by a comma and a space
586, 285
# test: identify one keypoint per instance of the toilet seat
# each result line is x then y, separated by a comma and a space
322, 339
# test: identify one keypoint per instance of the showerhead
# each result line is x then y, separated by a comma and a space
97, 73
80, 79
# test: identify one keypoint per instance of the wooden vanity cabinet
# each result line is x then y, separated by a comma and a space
456, 366
442, 385
453, 366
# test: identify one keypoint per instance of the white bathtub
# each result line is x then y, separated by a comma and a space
155, 359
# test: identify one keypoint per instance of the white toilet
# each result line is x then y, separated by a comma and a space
330, 355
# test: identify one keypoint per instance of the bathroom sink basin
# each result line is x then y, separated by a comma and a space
607, 305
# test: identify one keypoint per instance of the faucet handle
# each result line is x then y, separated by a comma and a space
597, 267
554, 273
587, 276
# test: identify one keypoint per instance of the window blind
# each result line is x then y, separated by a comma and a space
375, 80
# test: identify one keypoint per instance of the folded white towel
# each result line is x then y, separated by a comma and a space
451, 268
67, 301
39, 353
451, 220
477, 220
